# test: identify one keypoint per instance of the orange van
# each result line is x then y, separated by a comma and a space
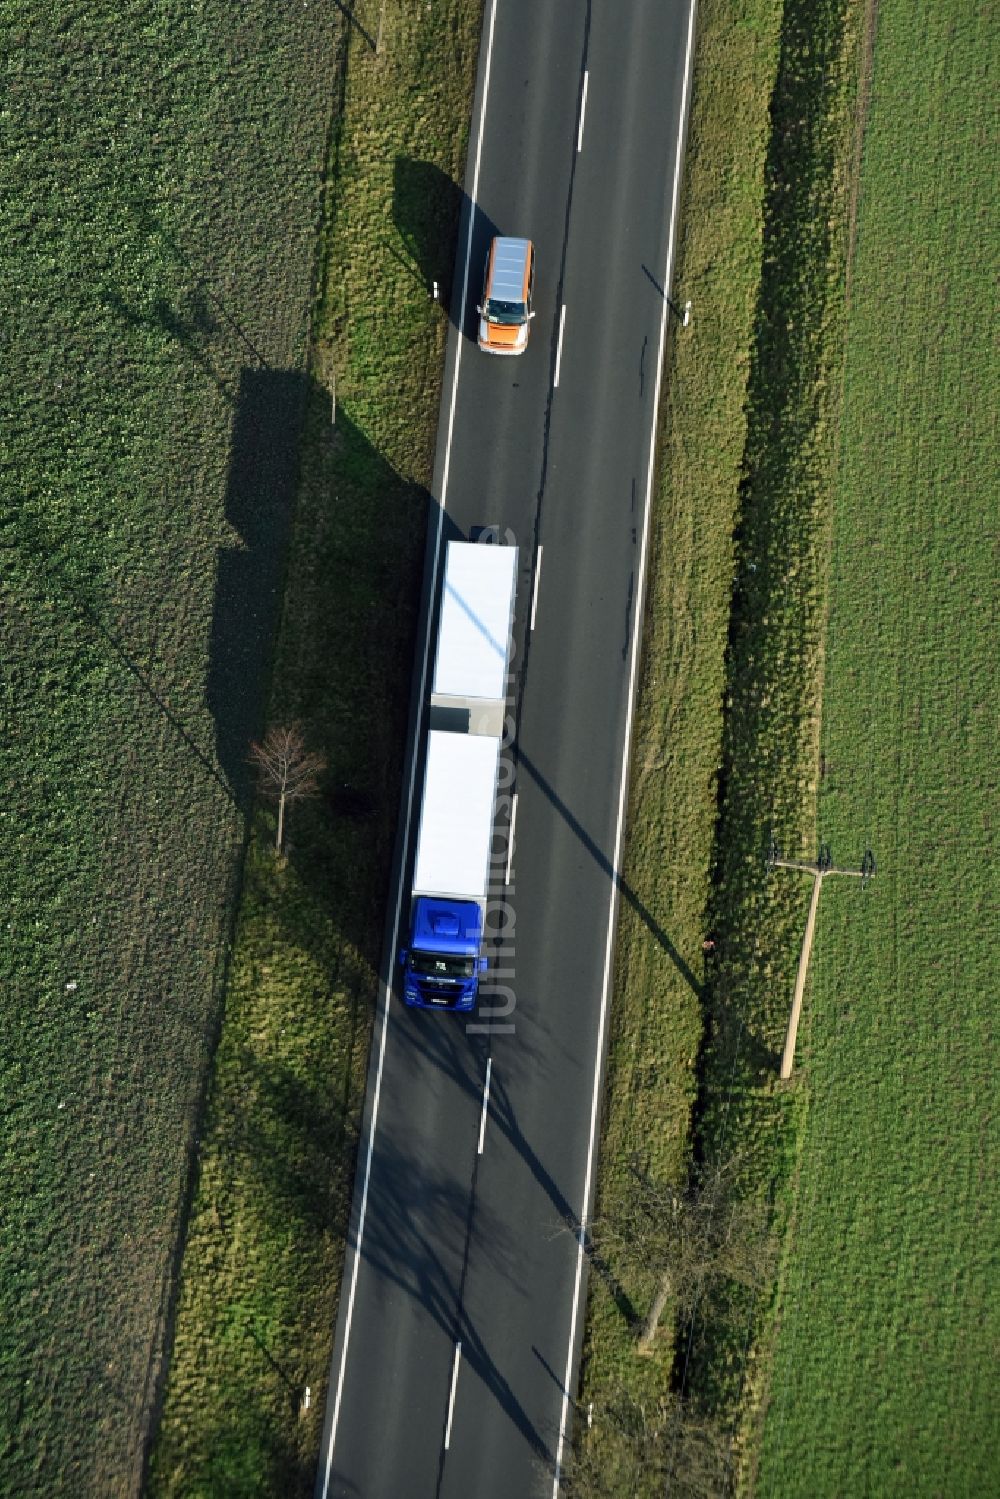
508, 286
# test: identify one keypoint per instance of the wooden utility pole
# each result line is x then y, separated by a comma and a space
823, 867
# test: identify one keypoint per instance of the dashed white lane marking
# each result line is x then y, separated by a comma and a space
562, 324
451, 1398
486, 1104
583, 111
510, 836
534, 594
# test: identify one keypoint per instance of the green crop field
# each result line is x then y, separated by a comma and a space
888, 1321
160, 195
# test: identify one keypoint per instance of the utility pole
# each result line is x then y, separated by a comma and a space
823, 867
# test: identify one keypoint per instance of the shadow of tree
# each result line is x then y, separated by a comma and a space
193, 326
293, 1147
614, 875
429, 211
260, 499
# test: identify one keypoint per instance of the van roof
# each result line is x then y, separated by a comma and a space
510, 264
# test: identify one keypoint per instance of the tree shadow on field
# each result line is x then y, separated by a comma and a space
253, 1454
343, 669
192, 322
295, 1152
259, 502
431, 214
344, 586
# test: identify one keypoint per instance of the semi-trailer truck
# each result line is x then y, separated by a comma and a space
451, 873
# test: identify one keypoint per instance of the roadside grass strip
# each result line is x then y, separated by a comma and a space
265, 1249
748, 1122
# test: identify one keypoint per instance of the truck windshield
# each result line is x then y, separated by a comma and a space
504, 312
440, 965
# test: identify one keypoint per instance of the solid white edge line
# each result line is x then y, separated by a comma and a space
510, 836
583, 112
582, 1233
534, 591
387, 987
486, 1104
451, 1398
562, 324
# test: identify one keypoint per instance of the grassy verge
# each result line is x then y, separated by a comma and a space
775, 673
889, 1314
153, 159
657, 1016
265, 1247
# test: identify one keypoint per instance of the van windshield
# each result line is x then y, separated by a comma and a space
437, 965
504, 312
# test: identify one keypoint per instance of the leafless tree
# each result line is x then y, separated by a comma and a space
286, 770
664, 1447
691, 1234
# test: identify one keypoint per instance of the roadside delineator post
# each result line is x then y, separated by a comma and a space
682, 314
823, 867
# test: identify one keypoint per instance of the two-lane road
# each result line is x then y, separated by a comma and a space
461, 1315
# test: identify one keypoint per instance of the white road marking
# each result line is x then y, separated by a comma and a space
562, 324
510, 836
583, 111
486, 1104
451, 1398
534, 591
387, 980
637, 617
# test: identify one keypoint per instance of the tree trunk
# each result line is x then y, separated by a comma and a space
652, 1322
281, 822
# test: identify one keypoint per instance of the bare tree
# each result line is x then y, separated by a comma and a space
691, 1235
618, 1448
664, 1447
698, 1454
286, 770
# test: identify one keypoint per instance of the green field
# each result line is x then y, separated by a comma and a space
884, 1377
264, 1255
160, 185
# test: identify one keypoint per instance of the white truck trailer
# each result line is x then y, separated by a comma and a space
451, 876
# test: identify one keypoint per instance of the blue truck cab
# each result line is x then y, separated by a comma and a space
443, 962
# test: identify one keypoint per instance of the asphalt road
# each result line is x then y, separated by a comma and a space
458, 1339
